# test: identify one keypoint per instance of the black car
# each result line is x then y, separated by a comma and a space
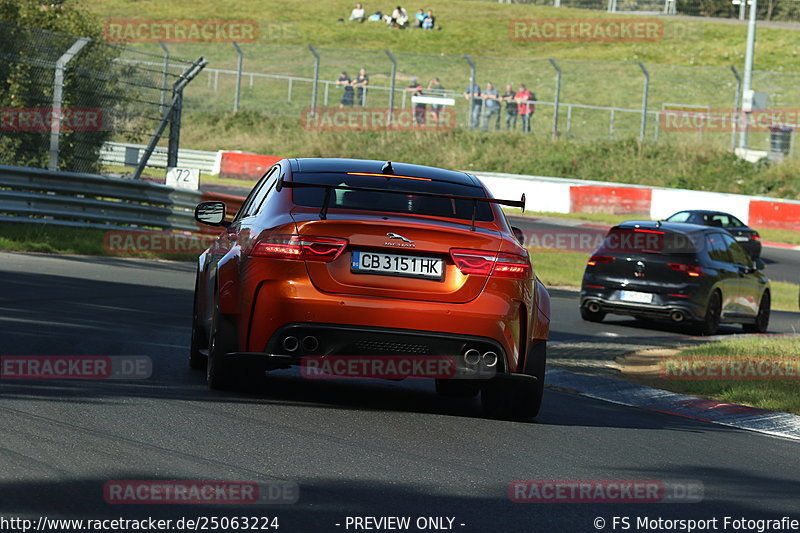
744, 235
682, 272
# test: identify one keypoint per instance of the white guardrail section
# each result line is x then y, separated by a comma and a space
125, 154
91, 201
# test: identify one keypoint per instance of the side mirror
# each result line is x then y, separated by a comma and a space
759, 264
211, 214
518, 234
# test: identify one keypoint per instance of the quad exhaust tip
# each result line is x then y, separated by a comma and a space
490, 359
593, 307
310, 343
291, 344
472, 356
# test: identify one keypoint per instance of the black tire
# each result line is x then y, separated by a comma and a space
589, 316
762, 318
518, 402
220, 373
710, 323
458, 388
197, 359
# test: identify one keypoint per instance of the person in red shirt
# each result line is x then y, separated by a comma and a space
525, 106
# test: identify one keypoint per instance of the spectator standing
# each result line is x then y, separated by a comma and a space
358, 14
429, 22
437, 89
473, 94
511, 107
347, 97
491, 107
419, 109
361, 82
525, 99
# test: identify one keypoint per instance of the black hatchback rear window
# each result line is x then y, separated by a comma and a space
649, 241
392, 202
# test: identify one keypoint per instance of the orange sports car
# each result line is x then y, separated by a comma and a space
331, 258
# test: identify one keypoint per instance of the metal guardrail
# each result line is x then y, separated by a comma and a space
88, 200
129, 155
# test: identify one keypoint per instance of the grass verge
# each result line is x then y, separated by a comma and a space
49, 238
774, 394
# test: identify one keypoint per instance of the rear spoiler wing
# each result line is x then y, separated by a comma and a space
328, 188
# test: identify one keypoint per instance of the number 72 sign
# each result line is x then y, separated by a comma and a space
183, 178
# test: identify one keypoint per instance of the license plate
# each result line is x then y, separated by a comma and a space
636, 297
742, 238
396, 265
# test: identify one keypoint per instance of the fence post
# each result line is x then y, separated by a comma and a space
165, 73
611, 124
569, 120
58, 98
177, 91
315, 82
391, 89
558, 96
239, 64
472, 77
736, 101
643, 129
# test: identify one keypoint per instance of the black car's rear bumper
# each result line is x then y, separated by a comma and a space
663, 306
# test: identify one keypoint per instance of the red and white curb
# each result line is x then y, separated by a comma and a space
633, 395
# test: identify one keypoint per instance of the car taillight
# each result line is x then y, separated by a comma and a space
755, 236
597, 259
500, 264
300, 247
693, 270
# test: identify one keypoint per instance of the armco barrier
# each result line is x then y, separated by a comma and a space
88, 200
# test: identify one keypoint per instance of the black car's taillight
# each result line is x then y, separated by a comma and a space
693, 271
599, 259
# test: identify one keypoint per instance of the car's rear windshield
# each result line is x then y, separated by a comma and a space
392, 202
648, 241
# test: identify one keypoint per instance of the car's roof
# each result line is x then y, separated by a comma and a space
704, 212
322, 164
677, 227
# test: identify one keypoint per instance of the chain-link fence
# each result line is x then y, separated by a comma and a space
769, 10
63, 97
577, 99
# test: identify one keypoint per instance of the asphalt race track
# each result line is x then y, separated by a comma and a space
356, 448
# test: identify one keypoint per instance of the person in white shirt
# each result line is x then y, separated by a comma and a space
399, 18
358, 14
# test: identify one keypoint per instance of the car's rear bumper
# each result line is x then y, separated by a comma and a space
662, 306
356, 324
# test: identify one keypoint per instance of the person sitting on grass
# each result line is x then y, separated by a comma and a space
398, 19
358, 14
429, 22
419, 18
